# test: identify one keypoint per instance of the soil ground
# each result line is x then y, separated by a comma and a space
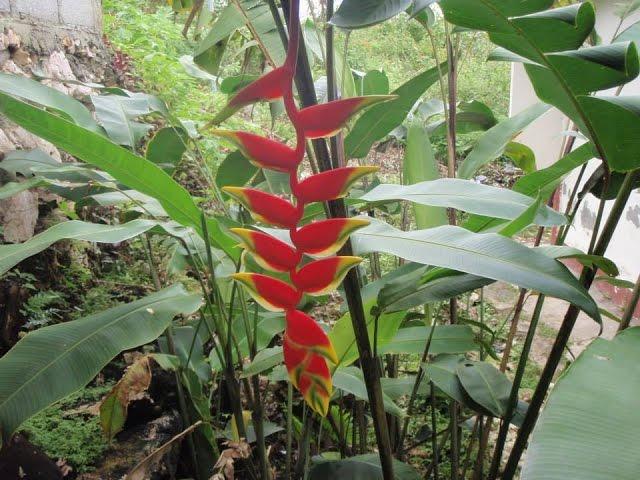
503, 296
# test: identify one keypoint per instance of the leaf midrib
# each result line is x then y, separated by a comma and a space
66, 352
18, 250
475, 252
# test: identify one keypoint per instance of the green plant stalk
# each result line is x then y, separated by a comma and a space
182, 402
289, 431
483, 430
451, 173
470, 445
566, 328
515, 388
257, 414
434, 433
303, 445
233, 387
416, 384
631, 307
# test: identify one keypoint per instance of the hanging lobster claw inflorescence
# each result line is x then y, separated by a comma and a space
307, 348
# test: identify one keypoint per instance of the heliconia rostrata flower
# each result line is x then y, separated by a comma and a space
306, 347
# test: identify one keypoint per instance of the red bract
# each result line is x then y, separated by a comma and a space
265, 207
273, 294
330, 185
323, 276
269, 252
306, 346
268, 87
263, 152
326, 237
327, 119
305, 333
310, 374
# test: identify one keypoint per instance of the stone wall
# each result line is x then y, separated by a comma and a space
60, 40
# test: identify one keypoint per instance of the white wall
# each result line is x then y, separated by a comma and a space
545, 138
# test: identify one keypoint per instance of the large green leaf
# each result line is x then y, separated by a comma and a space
351, 380
210, 50
539, 183
486, 255
493, 143
379, 120
127, 168
446, 339
589, 426
116, 113
443, 372
35, 92
467, 196
364, 13
54, 361
409, 291
486, 385
12, 254
420, 164
264, 360
360, 467
12, 188
235, 171
563, 74
167, 147
342, 335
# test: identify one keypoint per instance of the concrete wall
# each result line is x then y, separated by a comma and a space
69, 13
545, 138
44, 24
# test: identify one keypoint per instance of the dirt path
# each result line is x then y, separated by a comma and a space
503, 296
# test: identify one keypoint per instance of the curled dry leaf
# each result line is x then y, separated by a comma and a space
132, 386
226, 463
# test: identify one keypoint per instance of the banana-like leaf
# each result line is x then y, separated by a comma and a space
493, 143
12, 254
265, 360
467, 196
342, 335
117, 115
363, 13
381, 119
588, 427
408, 291
446, 339
486, 255
33, 91
420, 164
351, 380
539, 183
486, 385
360, 467
54, 361
131, 170
563, 74
210, 50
